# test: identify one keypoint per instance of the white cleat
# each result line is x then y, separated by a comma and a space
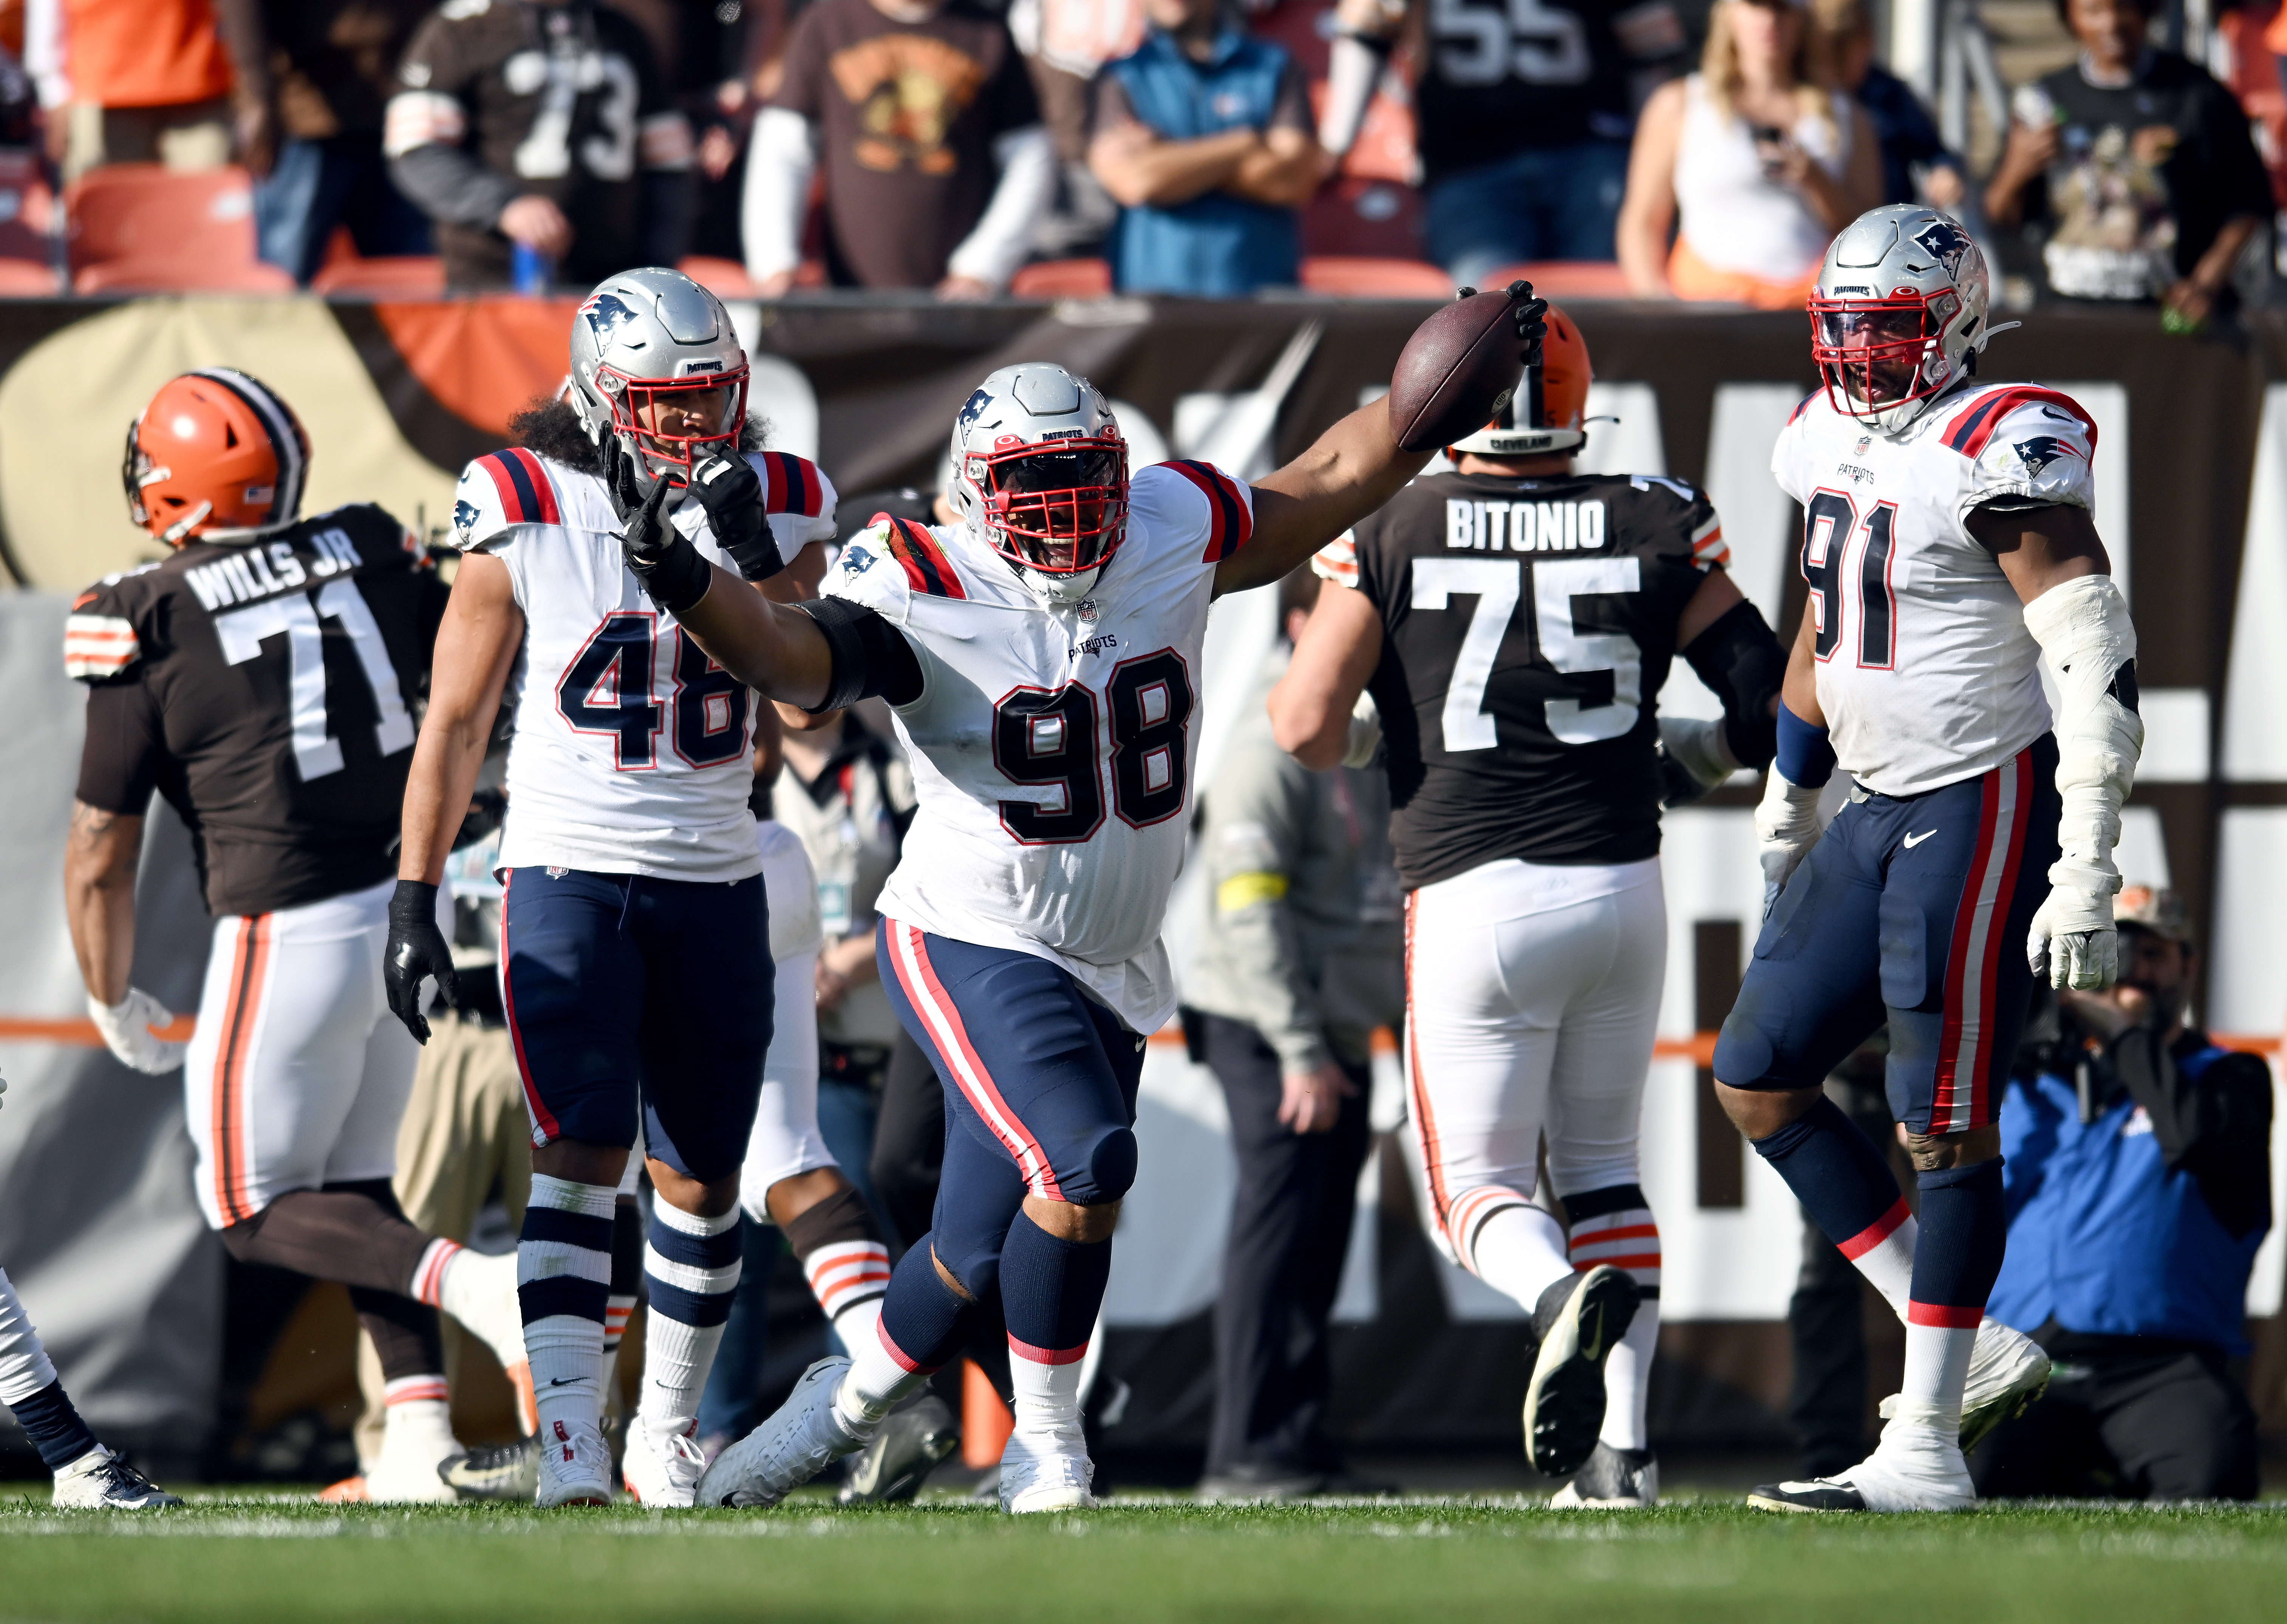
412, 1449
2007, 1372
661, 1469
1915, 1468
575, 1466
1052, 1473
802, 1437
1612, 1480
100, 1481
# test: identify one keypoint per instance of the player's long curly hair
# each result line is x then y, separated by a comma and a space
552, 429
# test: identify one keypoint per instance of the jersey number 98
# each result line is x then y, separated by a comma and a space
1047, 736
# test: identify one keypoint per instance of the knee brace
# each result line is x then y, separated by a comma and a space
1110, 1164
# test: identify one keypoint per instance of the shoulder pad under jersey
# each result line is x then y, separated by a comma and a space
1200, 502
2025, 442
798, 497
499, 491
866, 573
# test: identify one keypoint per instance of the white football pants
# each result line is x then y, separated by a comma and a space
1533, 999
298, 1073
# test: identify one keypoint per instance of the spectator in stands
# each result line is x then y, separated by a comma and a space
1522, 118
2136, 167
1301, 962
544, 125
152, 81
2137, 1175
936, 164
1917, 166
1204, 138
1762, 158
333, 67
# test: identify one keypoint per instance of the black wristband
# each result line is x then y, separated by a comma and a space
677, 578
870, 656
413, 901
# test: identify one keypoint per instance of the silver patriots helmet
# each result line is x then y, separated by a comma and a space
655, 361
1040, 469
1899, 314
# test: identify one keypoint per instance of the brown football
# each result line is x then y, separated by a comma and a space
1455, 373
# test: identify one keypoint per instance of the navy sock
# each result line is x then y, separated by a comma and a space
924, 1320
1050, 1290
53, 1426
1838, 1175
1958, 1254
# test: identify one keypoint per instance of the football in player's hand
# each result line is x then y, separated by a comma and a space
1458, 370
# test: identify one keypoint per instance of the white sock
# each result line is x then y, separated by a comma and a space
1047, 1398
849, 1278
1937, 1369
877, 1383
1503, 1240
417, 1418
1628, 1380
564, 1271
1886, 1256
690, 1265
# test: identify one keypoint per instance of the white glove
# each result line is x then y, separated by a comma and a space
1364, 736
2073, 942
127, 1031
1786, 827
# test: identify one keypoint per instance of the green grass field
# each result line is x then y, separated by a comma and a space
254, 1557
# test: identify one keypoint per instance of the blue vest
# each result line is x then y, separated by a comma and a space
2102, 1238
1217, 246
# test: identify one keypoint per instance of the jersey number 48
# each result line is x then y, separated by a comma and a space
606, 688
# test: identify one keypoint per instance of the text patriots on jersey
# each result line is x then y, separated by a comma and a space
1094, 645
1523, 527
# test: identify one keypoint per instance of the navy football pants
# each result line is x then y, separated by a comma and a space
626, 992
1040, 1088
1911, 910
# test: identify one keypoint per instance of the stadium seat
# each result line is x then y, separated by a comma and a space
145, 211
1063, 279
1576, 279
1364, 216
403, 276
174, 273
1346, 276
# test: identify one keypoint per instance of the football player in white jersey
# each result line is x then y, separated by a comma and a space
1041, 659
635, 962
1948, 544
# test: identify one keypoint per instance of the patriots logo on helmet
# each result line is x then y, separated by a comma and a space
464, 520
2043, 449
856, 560
605, 314
1946, 242
971, 410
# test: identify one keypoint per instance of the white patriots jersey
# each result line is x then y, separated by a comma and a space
1052, 749
632, 753
1925, 670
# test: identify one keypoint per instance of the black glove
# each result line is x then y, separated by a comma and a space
1530, 316
732, 493
670, 569
416, 950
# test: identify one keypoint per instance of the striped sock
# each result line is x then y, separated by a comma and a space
564, 1271
1505, 1240
1613, 1225
691, 1271
843, 1258
1843, 1182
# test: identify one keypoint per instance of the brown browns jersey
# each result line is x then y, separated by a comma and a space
1527, 627
564, 101
266, 690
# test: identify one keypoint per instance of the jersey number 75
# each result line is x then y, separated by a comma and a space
1497, 584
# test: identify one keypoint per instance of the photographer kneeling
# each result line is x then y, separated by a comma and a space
2138, 1183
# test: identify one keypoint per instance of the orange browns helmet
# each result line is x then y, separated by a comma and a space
1545, 414
215, 455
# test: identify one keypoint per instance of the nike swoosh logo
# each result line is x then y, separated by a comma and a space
562, 1381
1592, 1346
1913, 840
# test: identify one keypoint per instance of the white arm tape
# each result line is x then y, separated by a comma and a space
2083, 628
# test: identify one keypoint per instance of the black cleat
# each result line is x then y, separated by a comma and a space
1578, 1320
1613, 1480
1817, 1495
910, 1444
495, 1472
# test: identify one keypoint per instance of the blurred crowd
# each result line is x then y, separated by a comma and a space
1644, 148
